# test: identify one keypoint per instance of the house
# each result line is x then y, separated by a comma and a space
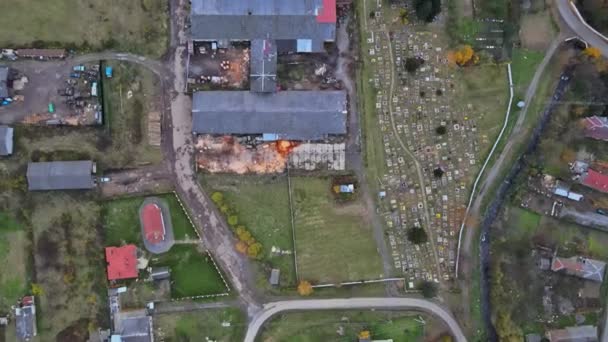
581, 267
122, 262
292, 115
25, 319
132, 326
60, 175
296, 25
3, 82
595, 180
596, 127
275, 275
6, 140
160, 273
583, 333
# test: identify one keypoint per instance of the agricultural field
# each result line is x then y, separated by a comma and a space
135, 26
68, 264
334, 241
200, 325
262, 205
346, 325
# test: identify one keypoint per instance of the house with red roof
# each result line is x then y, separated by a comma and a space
122, 262
580, 267
596, 127
595, 180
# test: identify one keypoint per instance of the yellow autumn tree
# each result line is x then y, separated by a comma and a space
462, 56
241, 247
365, 335
305, 288
592, 52
254, 250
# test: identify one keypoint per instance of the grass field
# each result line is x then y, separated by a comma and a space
323, 326
334, 242
121, 220
139, 26
13, 261
192, 327
262, 204
192, 272
69, 264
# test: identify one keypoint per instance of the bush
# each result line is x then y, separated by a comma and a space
254, 250
417, 235
413, 63
428, 288
438, 173
427, 10
217, 197
441, 130
233, 220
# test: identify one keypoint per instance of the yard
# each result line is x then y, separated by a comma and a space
200, 325
14, 255
124, 212
134, 26
262, 205
334, 241
346, 325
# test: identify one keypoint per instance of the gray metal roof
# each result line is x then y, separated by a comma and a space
274, 276
6, 140
263, 62
60, 175
134, 326
3, 81
295, 115
25, 322
260, 19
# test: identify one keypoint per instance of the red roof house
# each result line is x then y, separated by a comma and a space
327, 13
596, 180
122, 262
154, 225
596, 127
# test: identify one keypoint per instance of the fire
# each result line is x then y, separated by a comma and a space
284, 147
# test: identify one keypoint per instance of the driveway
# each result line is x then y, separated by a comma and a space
274, 308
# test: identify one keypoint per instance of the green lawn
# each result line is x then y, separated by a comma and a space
262, 205
192, 272
334, 241
191, 327
121, 220
133, 26
323, 326
13, 261
523, 65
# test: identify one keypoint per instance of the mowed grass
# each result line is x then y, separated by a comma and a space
334, 242
192, 272
139, 26
13, 261
195, 326
121, 220
324, 326
262, 205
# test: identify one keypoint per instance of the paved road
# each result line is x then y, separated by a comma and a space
578, 25
274, 308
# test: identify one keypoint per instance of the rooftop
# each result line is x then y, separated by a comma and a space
596, 180
133, 326
60, 175
313, 20
6, 140
122, 262
596, 127
580, 267
583, 333
263, 61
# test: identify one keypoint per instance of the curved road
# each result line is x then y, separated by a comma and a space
274, 308
577, 24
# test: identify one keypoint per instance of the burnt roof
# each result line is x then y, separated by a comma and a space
60, 175
294, 115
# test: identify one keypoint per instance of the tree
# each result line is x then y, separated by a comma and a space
427, 10
403, 16
364, 335
305, 288
462, 56
428, 289
592, 52
241, 247
413, 63
254, 250
233, 220
217, 197
417, 235
37, 289
568, 155
438, 172
506, 329
441, 130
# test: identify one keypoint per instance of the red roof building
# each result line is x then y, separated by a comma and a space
596, 180
596, 127
122, 262
327, 13
154, 225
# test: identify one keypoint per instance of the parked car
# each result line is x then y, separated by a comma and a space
602, 212
104, 179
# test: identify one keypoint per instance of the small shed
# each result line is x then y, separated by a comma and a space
3, 81
6, 141
160, 273
275, 275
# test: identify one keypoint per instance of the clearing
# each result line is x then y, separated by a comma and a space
262, 205
536, 31
133, 26
346, 325
334, 241
209, 323
13, 261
